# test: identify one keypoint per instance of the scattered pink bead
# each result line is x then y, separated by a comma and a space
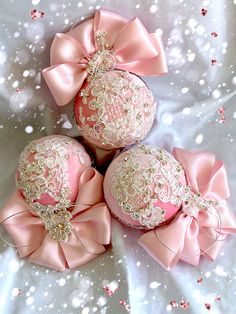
184, 305
214, 34
174, 304
217, 299
109, 291
199, 280
221, 111
213, 61
208, 306
35, 14
126, 305
19, 292
18, 90
203, 12
222, 120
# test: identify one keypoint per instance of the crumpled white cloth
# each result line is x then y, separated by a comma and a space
188, 99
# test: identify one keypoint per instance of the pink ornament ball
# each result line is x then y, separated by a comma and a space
143, 185
49, 171
114, 110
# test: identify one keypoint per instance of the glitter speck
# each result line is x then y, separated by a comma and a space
154, 285
26, 73
234, 80
191, 57
85, 310
153, 8
199, 139
29, 129
76, 302
167, 118
186, 111
61, 282
35, 2
216, 94
184, 90
3, 57
30, 301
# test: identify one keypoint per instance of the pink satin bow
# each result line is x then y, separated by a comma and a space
91, 228
187, 237
134, 50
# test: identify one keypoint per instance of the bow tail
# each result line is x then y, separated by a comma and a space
77, 252
191, 250
21, 225
50, 255
166, 244
215, 228
211, 243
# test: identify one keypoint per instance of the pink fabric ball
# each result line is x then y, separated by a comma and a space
114, 110
49, 172
143, 185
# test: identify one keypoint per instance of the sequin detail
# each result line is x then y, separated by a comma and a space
43, 170
144, 176
115, 110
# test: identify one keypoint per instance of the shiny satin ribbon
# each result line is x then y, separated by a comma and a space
187, 236
91, 228
133, 48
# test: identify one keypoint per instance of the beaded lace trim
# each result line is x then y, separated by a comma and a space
144, 176
47, 174
103, 60
192, 203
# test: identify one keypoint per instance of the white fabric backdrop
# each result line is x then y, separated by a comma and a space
188, 99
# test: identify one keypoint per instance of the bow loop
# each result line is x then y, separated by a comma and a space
66, 49
127, 46
65, 80
204, 173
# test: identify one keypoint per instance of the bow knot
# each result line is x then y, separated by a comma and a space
57, 224
102, 43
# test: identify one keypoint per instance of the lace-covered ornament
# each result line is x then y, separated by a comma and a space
144, 186
115, 110
48, 175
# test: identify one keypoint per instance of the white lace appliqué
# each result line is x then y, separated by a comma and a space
43, 170
144, 176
